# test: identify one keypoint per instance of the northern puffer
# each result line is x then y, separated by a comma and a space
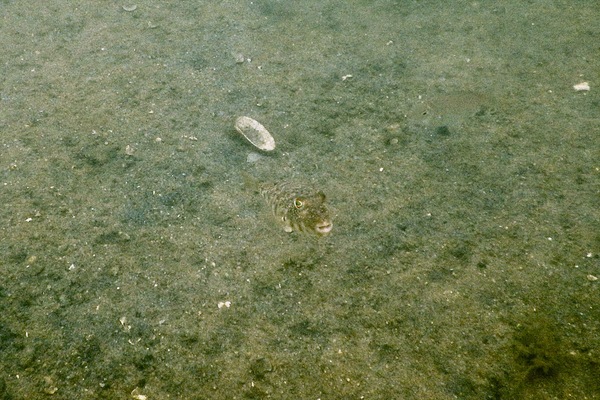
297, 208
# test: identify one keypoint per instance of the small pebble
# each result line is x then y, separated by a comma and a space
253, 157
239, 58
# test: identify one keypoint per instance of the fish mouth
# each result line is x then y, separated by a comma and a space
324, 227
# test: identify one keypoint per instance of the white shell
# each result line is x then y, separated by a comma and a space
582, 86
255, 133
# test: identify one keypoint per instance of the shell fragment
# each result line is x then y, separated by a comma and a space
583, 86
255, 133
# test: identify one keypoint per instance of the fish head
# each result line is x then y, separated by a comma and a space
310, 214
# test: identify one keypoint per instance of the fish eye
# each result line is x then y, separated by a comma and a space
298, 203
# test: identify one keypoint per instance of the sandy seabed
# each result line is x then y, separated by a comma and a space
462, 167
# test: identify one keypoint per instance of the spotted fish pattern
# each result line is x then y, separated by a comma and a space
297, 208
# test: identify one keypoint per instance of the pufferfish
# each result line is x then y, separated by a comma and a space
297, 208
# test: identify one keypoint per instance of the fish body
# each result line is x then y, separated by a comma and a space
297, 208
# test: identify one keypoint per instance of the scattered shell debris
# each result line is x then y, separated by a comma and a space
225, 304
124, 326
137, 394
130, 8
255, 133
582, 86
51, 387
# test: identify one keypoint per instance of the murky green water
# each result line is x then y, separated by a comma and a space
461, 164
